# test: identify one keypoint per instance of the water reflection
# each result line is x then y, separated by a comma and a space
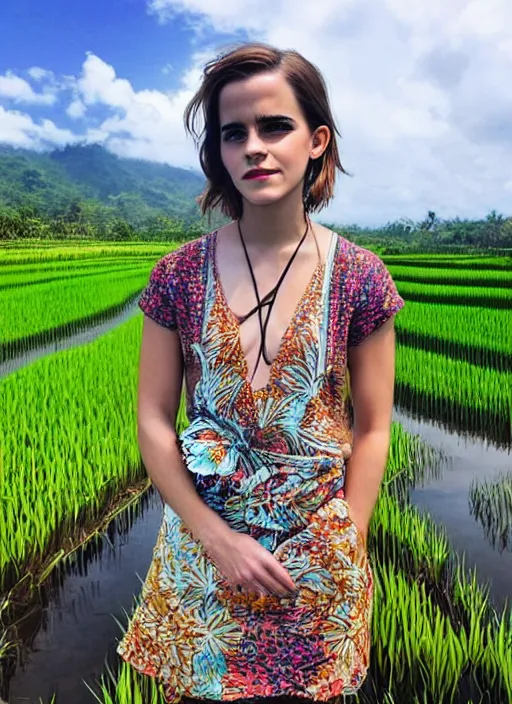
446, 498
488, 425
72, 630
491, 504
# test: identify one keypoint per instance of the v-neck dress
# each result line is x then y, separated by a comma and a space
272, 464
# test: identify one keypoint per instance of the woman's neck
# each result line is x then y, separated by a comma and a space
274, 227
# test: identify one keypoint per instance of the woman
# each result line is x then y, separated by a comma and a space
260, 584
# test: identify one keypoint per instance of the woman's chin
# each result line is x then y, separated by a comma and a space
262, 199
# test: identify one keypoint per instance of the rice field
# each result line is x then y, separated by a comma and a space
34, 313
488, 278
458, 295
69, 457
480, 336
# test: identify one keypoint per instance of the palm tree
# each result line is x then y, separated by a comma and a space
493, 228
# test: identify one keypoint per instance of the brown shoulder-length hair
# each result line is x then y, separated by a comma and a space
310, 91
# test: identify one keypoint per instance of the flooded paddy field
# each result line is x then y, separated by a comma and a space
448, 478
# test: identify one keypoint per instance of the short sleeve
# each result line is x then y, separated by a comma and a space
157, 299
377, 299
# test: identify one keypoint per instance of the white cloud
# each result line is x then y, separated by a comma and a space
76, 109
144, 124
40, 74
19, 90
98, 84
19, 129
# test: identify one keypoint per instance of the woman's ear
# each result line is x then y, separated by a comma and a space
321, 138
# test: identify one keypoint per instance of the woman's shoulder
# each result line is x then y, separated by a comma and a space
176, 285
361, 263
185, 259
356, 253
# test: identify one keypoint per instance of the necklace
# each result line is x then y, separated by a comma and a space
269, 299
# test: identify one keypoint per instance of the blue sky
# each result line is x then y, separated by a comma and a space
57, 33
418, 89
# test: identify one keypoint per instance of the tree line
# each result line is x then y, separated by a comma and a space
432, 234
85, 221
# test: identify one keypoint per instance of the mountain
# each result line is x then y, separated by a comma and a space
52, 183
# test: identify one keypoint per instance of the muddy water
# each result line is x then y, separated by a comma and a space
73, 633
446, 498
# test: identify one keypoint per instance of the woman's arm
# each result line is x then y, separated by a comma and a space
372, 376
160, 385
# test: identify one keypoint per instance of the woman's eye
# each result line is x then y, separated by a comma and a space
233, 135
278, 127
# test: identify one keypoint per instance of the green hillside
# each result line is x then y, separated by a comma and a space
89, 181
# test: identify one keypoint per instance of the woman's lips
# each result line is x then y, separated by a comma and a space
260, 177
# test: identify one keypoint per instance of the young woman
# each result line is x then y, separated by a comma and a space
260, 584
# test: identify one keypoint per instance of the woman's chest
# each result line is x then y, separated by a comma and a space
301, 345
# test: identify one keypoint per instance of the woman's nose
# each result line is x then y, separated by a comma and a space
254, 144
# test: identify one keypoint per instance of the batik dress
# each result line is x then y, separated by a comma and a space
271, 462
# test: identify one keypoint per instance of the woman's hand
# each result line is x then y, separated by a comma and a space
360, 522
243, 561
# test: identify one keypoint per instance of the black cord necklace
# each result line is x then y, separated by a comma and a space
269, 299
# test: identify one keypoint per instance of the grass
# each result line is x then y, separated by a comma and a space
68, 442
31, 310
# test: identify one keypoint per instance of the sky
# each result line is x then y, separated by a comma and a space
421, 91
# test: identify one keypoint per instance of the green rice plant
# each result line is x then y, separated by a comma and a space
38, 254
401, 536
433, 623
127, 687
48, 306
410, 463
28, 276
181, 416
497, 657
458, 295
419, 650
68, 444
462, 395
453, 261
481, 336
490, 278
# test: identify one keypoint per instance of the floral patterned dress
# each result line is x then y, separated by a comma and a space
271, 462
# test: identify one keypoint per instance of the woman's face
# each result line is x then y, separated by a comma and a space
262, 127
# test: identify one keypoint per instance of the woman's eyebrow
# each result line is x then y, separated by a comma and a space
260, 120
